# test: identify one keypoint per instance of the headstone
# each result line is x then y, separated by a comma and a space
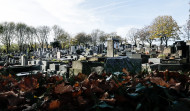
110, 48
24, 60
54, 67
63, 68
51, 55
40, 53
73, 50
44, 67
38, 62
48, 55
155, 60
116, 64
167, 50
133, 55
33, 62
58, 55
99, 70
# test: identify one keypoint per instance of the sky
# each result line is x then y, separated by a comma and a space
76, 16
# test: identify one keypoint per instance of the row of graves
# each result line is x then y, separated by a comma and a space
78, 59
173, 58
111, 59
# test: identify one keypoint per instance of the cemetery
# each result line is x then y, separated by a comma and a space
116, 67
130, 66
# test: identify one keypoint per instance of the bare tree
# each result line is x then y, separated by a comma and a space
145, 35
42, 33
96, 34
20, 33
57, 31
30, 36
7, 33
132, 36
186, 31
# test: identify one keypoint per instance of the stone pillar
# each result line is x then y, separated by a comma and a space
58, 55
24, 60
73, 50
110, 48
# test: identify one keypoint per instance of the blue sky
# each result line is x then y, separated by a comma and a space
85, 15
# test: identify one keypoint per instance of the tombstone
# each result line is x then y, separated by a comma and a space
133, 55
99, 70
33, 62
152, 52
58, 55
155, 60
48, 55
116, 64
43, 68
167, 50
63, 68
24, 60
110, 48
38, 62
73, 50
54, 67
12, 61
40, 53
51, 55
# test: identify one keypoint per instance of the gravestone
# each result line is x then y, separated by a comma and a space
24, 60
116, 64
33, 62
38, 62
110, 48
63, 69
167, 50
133, 55
48, 55
54, 67
58, 55
99, 70
155, 60
73, 50
40, 53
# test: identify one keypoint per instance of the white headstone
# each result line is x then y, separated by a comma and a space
58, 55
24, 61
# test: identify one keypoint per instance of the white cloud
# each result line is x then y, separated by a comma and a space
65, 13
74, 17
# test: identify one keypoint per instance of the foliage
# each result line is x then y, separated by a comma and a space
145, 35
42, 33
164, 28
56, 44
6, 34
83, 38
122, 91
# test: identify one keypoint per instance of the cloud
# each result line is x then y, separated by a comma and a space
108, 5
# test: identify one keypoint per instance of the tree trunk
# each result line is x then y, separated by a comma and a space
166, 43
161, 41
150, 44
